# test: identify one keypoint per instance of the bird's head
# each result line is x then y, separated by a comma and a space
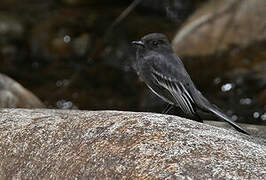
153, 42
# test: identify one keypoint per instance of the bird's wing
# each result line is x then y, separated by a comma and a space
179, 93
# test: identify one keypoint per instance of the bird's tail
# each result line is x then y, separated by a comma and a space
205, 105
227, 119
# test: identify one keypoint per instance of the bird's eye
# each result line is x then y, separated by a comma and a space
154, 43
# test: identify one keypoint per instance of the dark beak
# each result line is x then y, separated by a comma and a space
138, 43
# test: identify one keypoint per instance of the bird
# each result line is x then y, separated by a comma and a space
165, 75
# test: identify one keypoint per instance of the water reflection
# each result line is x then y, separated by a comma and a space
256, 115
227, 87
245, 101
263, 117
63, 104
67, 38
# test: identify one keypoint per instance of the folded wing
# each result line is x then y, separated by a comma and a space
180, 95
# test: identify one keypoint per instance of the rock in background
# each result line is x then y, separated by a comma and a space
13, 95
226, 40
219, 25
64, 144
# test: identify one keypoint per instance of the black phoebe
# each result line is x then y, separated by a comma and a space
165, 74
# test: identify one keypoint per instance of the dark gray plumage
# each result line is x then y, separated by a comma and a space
165, 74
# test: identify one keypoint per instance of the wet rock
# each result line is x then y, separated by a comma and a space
49, 144
13, 95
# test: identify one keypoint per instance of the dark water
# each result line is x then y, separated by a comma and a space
69, 55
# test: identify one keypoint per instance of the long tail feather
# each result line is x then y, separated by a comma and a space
227, 119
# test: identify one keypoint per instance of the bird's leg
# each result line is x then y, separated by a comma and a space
167, 108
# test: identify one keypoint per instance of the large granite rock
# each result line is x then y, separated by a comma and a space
13, 95
60, 144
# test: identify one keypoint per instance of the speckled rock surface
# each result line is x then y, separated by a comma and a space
61, 144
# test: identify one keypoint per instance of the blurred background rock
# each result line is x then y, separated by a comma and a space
13, 95
69, 55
